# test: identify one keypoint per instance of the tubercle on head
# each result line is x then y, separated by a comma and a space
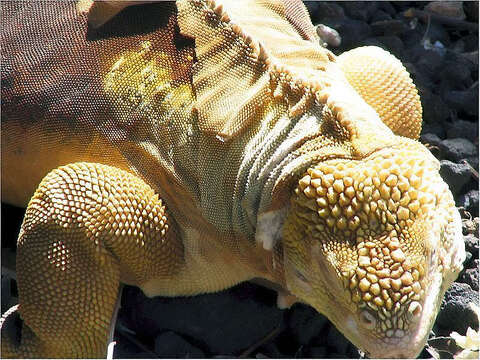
369, 218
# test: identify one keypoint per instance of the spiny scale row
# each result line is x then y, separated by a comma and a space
284, 82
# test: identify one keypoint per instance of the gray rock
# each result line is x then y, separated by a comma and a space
261, 356
380, 15
322, 11
463, 129
360, 10
455, 175
452, 9
434, 129
471, 57
126, 349
471, 42
464, 101
389, 27
351, 31
428, 62
434, 109
169, 344
462, 60
455, 312
469, 201
470, 226
456, 76
470, 276
457, 149
471, 244
431, 139
437, 32
392, 44
271, 350
387, 7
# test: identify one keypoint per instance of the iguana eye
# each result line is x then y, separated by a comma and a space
367, 320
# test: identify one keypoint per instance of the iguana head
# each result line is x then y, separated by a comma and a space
373, 244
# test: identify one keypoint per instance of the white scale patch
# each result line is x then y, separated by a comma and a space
269, 228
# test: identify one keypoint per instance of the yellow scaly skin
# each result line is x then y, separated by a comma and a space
374, 244
369, 234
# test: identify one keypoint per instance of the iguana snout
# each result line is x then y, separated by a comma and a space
373, 244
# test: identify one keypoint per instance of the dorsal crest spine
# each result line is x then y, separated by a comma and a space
300, 94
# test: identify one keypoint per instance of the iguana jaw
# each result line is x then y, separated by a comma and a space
374, 256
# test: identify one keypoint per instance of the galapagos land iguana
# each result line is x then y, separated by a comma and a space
186, 147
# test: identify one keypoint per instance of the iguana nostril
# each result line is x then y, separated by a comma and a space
414, 310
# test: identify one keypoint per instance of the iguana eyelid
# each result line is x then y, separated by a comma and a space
367, 320
300, 276
302, 281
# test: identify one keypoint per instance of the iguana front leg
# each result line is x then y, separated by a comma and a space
87, 228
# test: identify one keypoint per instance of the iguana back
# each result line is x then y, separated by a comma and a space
65, 100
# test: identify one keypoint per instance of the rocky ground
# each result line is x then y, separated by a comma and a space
439, 46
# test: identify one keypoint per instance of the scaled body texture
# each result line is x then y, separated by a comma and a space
186, 147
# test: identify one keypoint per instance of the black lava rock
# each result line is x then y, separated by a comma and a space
392, 44
324, 11
306, 323
317, 352
463, 129
360, 10
352, 32
455, 175
431, 139
470, 276
380, 15
171, 345
471, 10
455, 312
207, 318
433, 129
469, 201
338, 343
457, 76
427, 61
471, 244
389, 27
434, 109
457, 149
387, 7
465, 102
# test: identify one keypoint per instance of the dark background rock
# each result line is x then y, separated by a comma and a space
226, 322
470, 276
171, 345
305, 323
469, 201
455, 312
463, 129
457, 149
455, 175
